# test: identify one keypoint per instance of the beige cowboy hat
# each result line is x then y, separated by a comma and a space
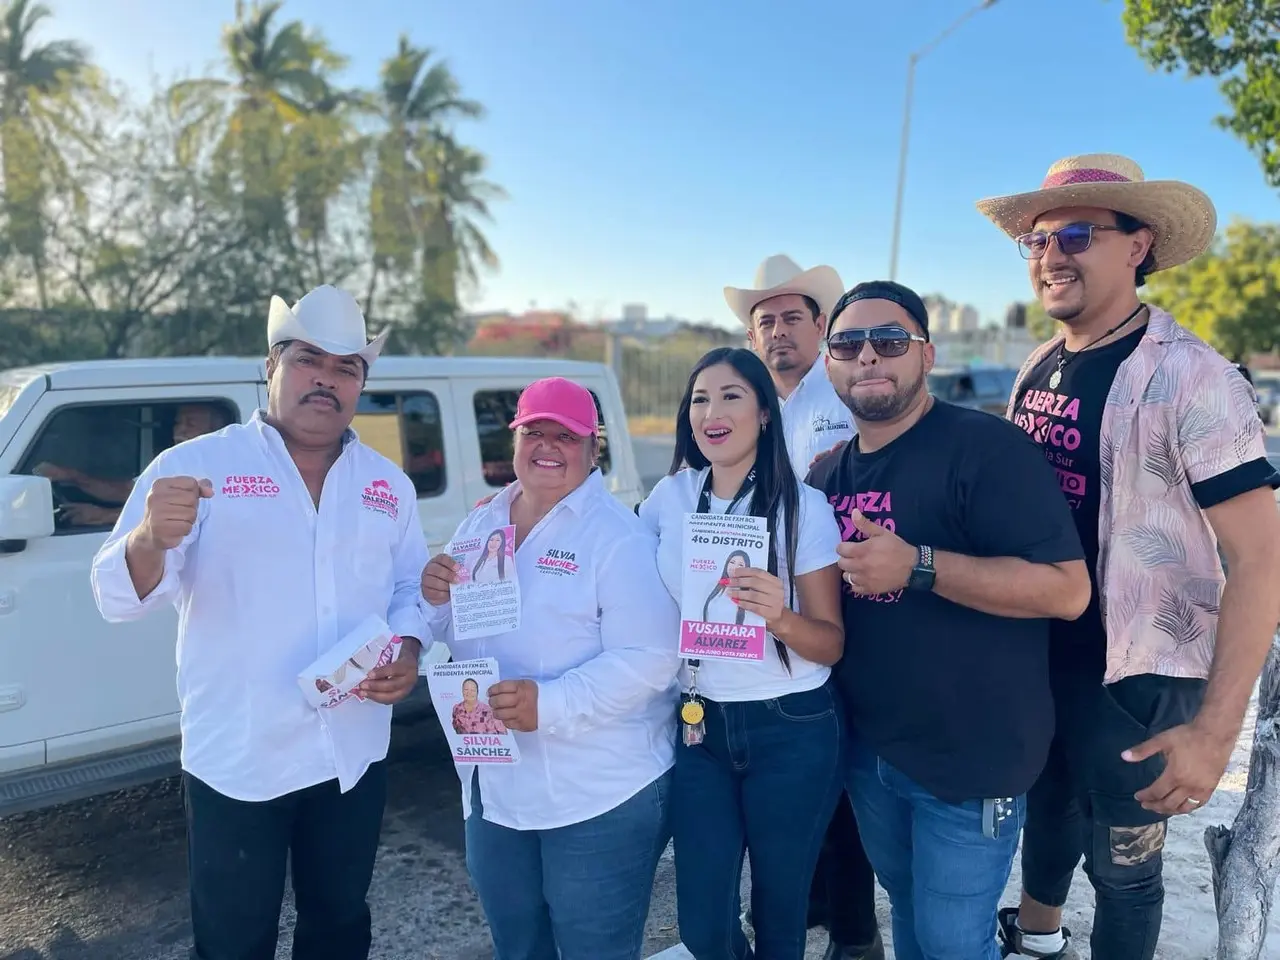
779, 275
327, 318
1181, 217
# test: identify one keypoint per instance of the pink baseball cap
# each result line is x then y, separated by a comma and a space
558, 399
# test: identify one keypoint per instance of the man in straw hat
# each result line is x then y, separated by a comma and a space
1159, 451
785, 316
275, 539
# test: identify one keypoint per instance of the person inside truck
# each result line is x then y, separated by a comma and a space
190, 421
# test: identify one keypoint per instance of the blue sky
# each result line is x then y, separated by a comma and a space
656, 151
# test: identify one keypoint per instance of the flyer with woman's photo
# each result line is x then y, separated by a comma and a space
486, 600
460, 694
716, 547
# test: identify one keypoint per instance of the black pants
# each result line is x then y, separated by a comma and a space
843, 893
1083, 803
237, 852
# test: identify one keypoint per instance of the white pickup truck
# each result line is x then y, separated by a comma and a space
87, 706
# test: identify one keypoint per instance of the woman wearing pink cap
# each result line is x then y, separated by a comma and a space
562, 847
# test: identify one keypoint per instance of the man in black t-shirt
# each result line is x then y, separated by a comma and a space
958, 549
1157, 448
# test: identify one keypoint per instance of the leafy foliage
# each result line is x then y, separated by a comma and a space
1237, 41
1230, 295
163, 224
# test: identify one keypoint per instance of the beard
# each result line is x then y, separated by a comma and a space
885, 406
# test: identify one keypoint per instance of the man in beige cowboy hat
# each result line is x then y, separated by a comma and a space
1158, 448
785, 315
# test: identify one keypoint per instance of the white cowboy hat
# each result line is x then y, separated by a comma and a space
327, 318
779, 275
1181, 217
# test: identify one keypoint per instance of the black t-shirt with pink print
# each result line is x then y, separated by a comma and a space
1065, 420
955, 698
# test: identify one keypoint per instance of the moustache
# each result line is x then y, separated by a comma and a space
337, 405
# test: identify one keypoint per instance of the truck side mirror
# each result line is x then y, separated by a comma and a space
26, 511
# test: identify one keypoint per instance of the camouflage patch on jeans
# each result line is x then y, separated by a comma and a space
1131, 846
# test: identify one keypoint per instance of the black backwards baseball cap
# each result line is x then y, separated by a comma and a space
890, 290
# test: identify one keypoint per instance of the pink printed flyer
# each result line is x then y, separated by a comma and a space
459, 691
712, 626
486, 600
334, 676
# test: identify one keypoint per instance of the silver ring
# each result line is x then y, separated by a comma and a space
1193, 801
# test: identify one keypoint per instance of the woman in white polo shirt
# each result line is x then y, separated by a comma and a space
562, 847
759, 767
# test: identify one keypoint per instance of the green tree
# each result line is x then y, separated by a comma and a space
1230, 295
39, 83
1237, 41
275, 75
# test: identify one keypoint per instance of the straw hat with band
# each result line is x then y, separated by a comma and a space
779, 275
1181, 217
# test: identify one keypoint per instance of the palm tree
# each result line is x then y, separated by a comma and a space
36, 81
454, 247
276, 73
417, 99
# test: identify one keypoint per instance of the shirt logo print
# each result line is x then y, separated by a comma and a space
242, 485
560, 563
379, 497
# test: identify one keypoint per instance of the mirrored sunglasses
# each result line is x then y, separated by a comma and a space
890, 341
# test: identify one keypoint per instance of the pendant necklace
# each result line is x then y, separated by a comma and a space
1055, 378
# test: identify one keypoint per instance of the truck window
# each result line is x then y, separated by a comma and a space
495, 409
405, 428
92, 453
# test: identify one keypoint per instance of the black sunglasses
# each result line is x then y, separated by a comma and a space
1072, 239
891, 341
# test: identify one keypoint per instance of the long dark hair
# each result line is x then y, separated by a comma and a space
484, 554
776, 485
720, 587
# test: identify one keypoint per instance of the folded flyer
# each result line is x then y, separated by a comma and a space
333, 677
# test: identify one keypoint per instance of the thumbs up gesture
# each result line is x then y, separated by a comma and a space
877, 561
172, 504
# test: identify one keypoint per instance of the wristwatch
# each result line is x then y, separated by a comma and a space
922, 574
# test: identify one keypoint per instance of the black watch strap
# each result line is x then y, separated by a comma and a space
923, 573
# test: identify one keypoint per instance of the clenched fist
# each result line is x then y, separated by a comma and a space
171, 510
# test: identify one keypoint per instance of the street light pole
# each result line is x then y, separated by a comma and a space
913, 59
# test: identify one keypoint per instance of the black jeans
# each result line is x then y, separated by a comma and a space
763, 783
237, 852
843, 894
1083, 803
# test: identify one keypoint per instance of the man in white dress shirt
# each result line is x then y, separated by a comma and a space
274, 539
785, 314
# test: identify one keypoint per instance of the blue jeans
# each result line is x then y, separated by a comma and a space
944, 877
579, 892
764, 781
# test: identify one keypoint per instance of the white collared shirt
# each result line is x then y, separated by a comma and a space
732, 681
814, 418
263, 585
599, 634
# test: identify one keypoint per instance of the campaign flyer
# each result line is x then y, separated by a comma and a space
333, 677
486, 601
716, 547
459, 691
